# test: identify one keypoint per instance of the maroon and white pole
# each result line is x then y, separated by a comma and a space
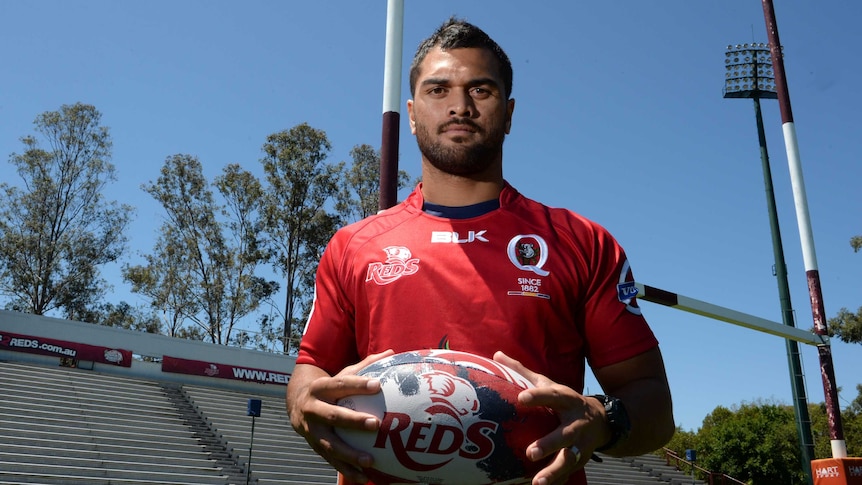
827, 372
391, 104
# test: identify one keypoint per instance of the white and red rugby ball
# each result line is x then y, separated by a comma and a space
448, 418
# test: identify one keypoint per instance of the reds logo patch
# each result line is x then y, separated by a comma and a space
399, 262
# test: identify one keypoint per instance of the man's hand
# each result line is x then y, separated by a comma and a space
311, 397
582, 425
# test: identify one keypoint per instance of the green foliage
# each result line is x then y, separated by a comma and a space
302, 186
755, 442
847, 326
758, 442
57, 229
851, 418
360, 196
126, 316
203, 265
682, 440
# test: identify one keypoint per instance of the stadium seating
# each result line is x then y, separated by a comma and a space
71, 426
60, 425
278, 454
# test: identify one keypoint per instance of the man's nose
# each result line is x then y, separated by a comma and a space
462, 104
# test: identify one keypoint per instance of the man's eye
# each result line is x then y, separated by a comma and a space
437, 90
478, 92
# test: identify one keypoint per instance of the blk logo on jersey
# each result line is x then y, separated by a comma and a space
399, 262
454, 237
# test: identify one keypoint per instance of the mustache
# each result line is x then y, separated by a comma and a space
460, 121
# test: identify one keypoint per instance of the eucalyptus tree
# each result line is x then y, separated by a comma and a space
57, 227
202, 268
360, 193
847, 325
300, 214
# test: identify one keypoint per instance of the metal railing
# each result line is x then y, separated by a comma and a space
712, 478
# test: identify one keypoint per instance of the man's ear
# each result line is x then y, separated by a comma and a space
510, 108
411, 117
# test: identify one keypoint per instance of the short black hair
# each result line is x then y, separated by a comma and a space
455, 34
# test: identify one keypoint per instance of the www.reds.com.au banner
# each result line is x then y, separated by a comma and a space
222, 371
62, 348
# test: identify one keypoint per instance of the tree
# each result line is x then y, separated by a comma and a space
126, 316
846, 325
756, 442
302, 186
751, 441
57, 229
851, 418
361, 188
202, 269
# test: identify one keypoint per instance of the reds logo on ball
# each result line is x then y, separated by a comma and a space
449, 400
449, 418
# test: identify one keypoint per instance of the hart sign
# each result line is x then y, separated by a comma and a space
837, 471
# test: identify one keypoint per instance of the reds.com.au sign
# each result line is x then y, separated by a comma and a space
63, 349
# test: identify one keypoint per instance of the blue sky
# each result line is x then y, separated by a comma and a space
619, 117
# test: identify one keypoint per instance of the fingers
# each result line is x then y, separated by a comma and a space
320, 417
516, 365
566, 462
345, 459
316, 416
574, 413
331, 389
323, 393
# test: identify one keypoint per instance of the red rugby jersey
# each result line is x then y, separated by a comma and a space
546, 286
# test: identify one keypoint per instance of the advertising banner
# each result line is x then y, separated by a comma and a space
70, 351
837, 471
222, 371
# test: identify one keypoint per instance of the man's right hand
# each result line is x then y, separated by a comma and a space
311, 397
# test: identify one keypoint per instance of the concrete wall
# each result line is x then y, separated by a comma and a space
143, 344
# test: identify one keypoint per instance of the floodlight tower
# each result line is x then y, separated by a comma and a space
749, 74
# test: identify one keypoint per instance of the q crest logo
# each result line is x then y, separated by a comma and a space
399, 262
528, 253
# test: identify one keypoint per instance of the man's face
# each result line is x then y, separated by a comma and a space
460, 114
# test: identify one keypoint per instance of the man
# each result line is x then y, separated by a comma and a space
468, 263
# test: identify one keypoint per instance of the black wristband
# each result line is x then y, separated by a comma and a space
618, 420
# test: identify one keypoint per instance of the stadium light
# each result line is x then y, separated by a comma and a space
749, 74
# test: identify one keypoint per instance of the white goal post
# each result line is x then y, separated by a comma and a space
691, 305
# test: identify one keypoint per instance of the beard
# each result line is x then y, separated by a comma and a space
461, 159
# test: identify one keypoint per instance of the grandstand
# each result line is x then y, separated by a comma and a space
84, 404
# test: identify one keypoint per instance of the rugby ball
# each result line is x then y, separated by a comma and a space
448, 418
